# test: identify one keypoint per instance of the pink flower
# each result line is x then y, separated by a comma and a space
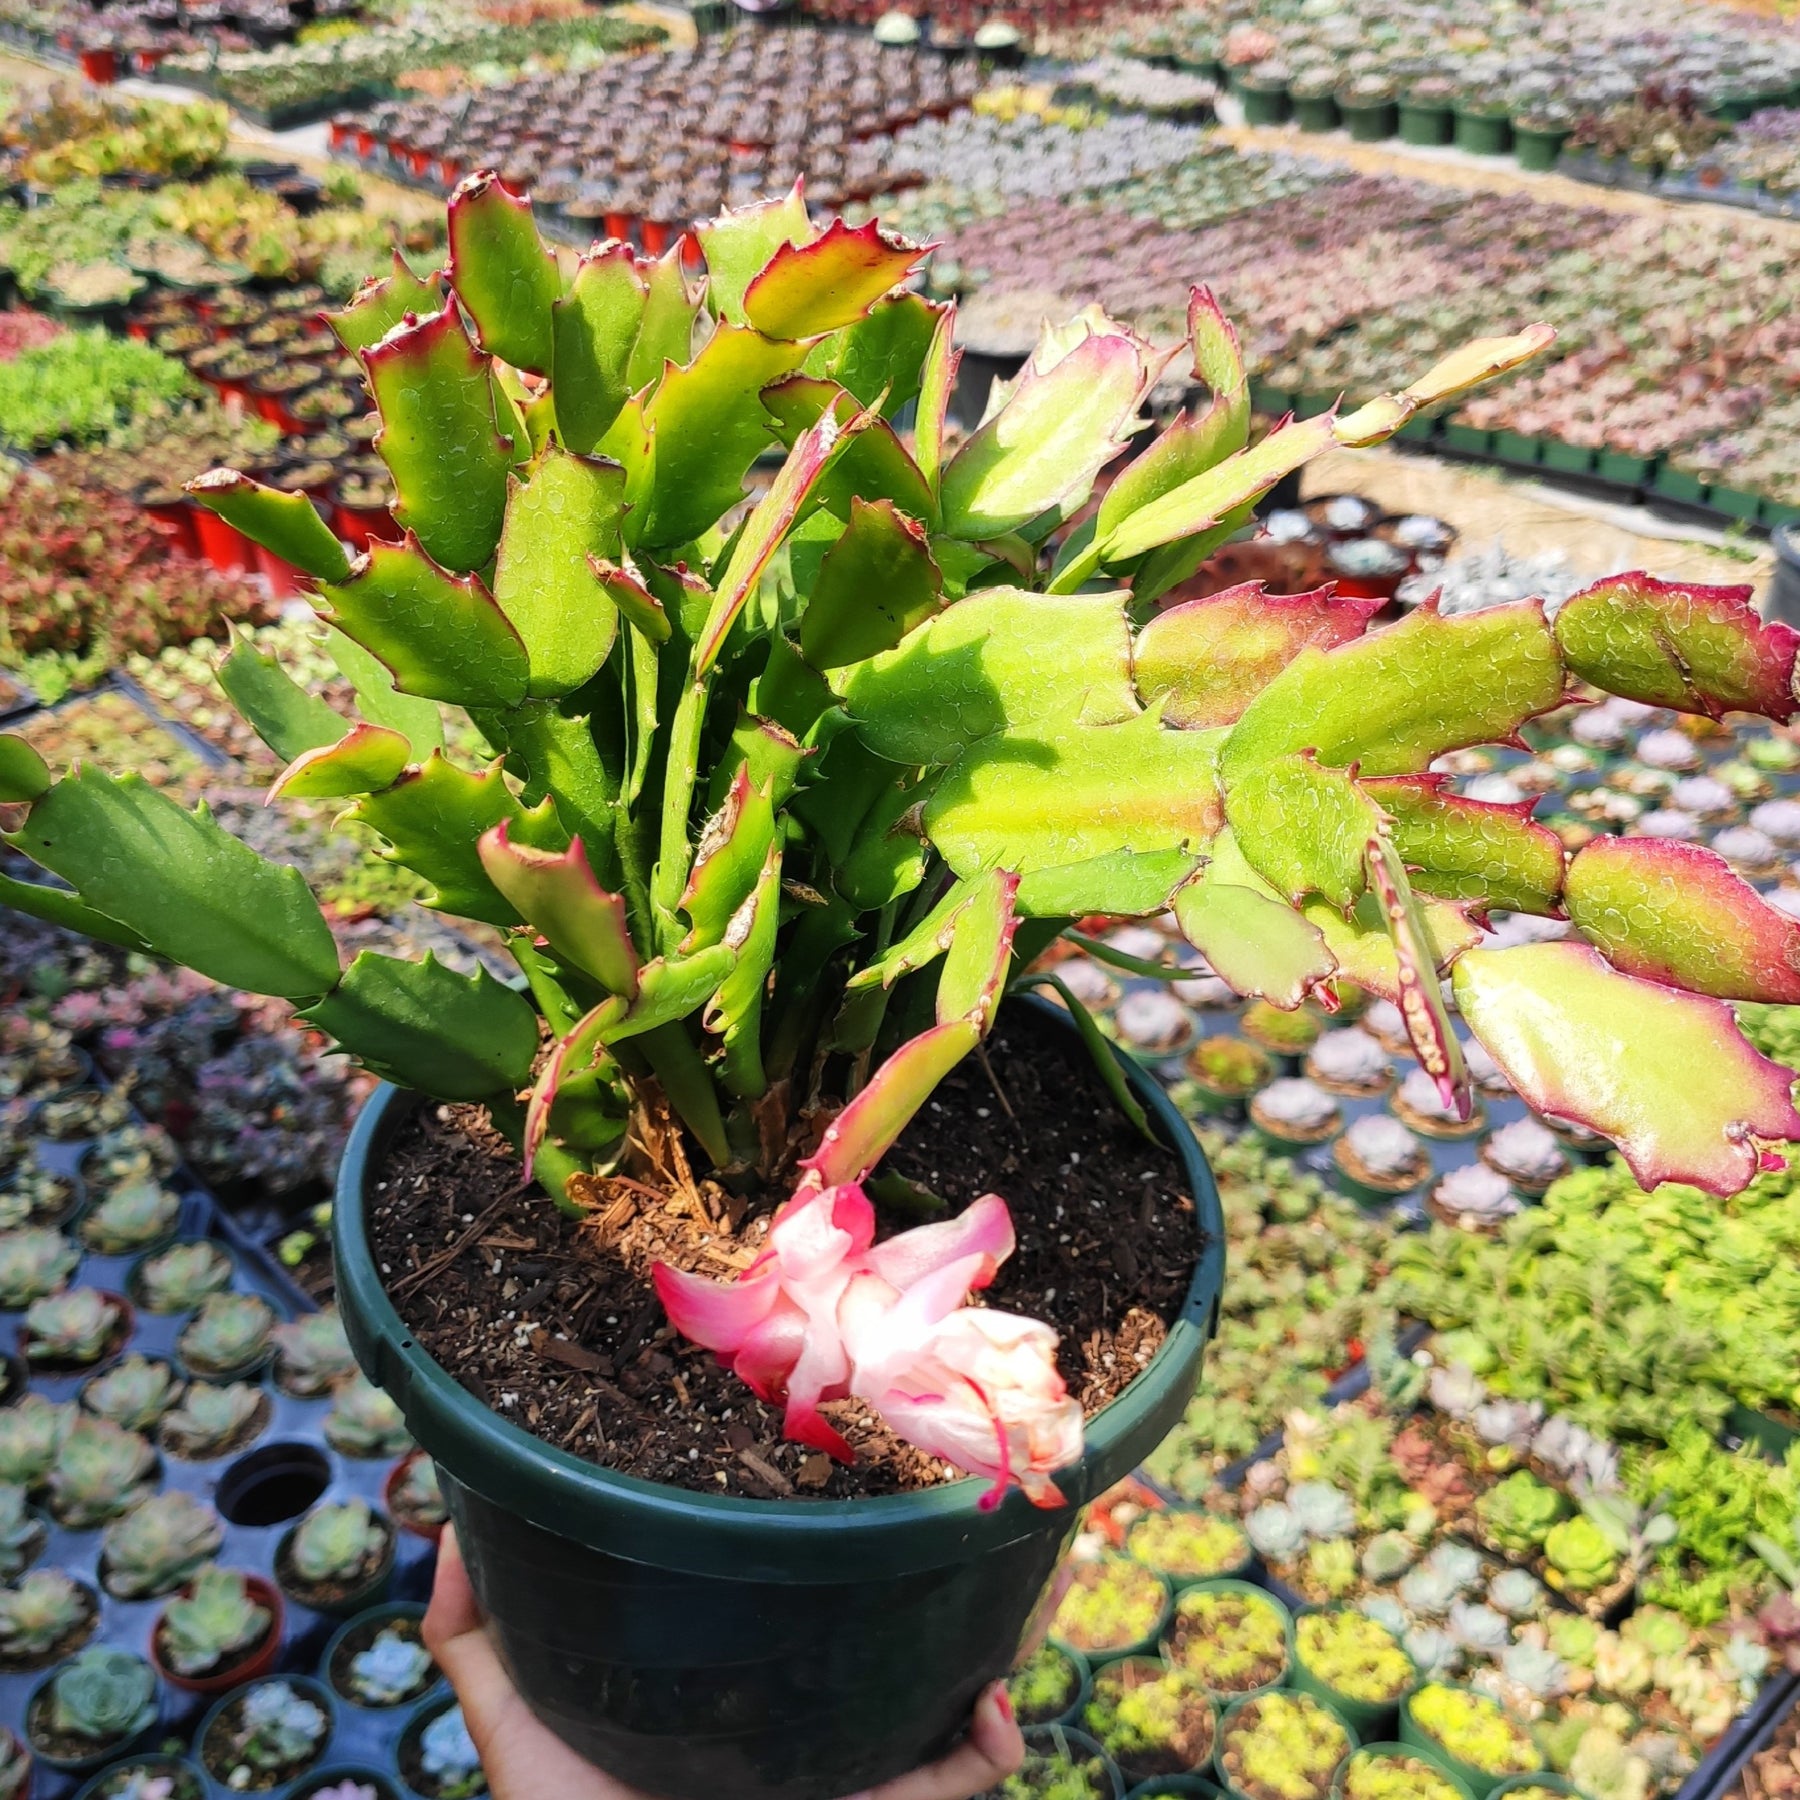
825, 1313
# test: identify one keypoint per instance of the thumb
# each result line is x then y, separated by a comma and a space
991, 1751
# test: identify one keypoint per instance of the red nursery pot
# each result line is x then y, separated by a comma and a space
618, 225
175, 520
145, 61
100, 66
396, 1475
357, 525
283, 578
261, 1663
693, 258
222, 544
421, 161
365, 143
656, 238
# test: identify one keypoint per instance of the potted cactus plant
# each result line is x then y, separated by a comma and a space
765, 852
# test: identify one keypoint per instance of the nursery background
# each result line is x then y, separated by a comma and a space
1492, 1482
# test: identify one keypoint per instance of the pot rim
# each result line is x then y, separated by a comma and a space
824, 1541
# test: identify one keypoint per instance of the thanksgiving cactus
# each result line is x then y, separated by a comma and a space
780, 792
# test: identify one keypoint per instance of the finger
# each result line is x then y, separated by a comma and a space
453, 1611
991, 1751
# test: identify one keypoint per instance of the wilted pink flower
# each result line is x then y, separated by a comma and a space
825, 1313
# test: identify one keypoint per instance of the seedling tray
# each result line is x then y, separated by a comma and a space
257, 1491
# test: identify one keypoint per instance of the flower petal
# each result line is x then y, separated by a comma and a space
719, 1315
983, 1228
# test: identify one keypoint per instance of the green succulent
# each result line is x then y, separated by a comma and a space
73, 1327
1388, 1775
34, 1262
21, 1533
339, 1543
278, 1726
31, 1436
40, 1613
1580, 1555
99, 1472
1188, 1545
160, 1545
1234, 1640
210, 1417
1044, 1686
1518, 1512
1112, 1603
1149, 1718
181, 1277
131, 1217
1331, 1568
312, 1353
1471, 1728
364, 1421
103, 1696
229, 1334
419, 1494
135, 1392
1282, 1744
1353, 1655
218, 1620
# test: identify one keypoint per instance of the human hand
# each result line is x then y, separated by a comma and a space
525, 1760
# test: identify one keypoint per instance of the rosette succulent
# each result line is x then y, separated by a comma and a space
135, 1392
159, 1545
130, 1217
448, 1756
312, 1353
182, 1277
363, 1421
1471, 1728
228, 1335
34, 1262
31, 1436
277, 1727
21, 1535
71, 1328
99, 1471
40, 1613
210, 1418
339, 1543
218, 1621
102, 1697
1517, 1513
394, 1668
1353, 1655
1581, 1557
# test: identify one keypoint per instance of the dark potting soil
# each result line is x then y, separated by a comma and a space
555, 1324
64, 1746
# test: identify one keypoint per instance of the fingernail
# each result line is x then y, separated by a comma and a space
1003, 1701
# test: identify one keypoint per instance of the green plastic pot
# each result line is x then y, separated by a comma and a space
1173, 1784
1179, 1584
377, 1616
1364, 1717
1469, 439
1371, 124
1483, 134
171, 1766
1426, 125
1273, 401
1556, 1784
1158, 1668
1679, 484
1776, 513
1413, 1750
1315, 112
1264, 105
1231, 1713
1478, 1781
1076, 1744
1421, 428
1232, 1585
1084, 1688
1735, 503
1143, 1646
1628, 471
697, 1644
1518, 447
1537, 150
1567, 459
